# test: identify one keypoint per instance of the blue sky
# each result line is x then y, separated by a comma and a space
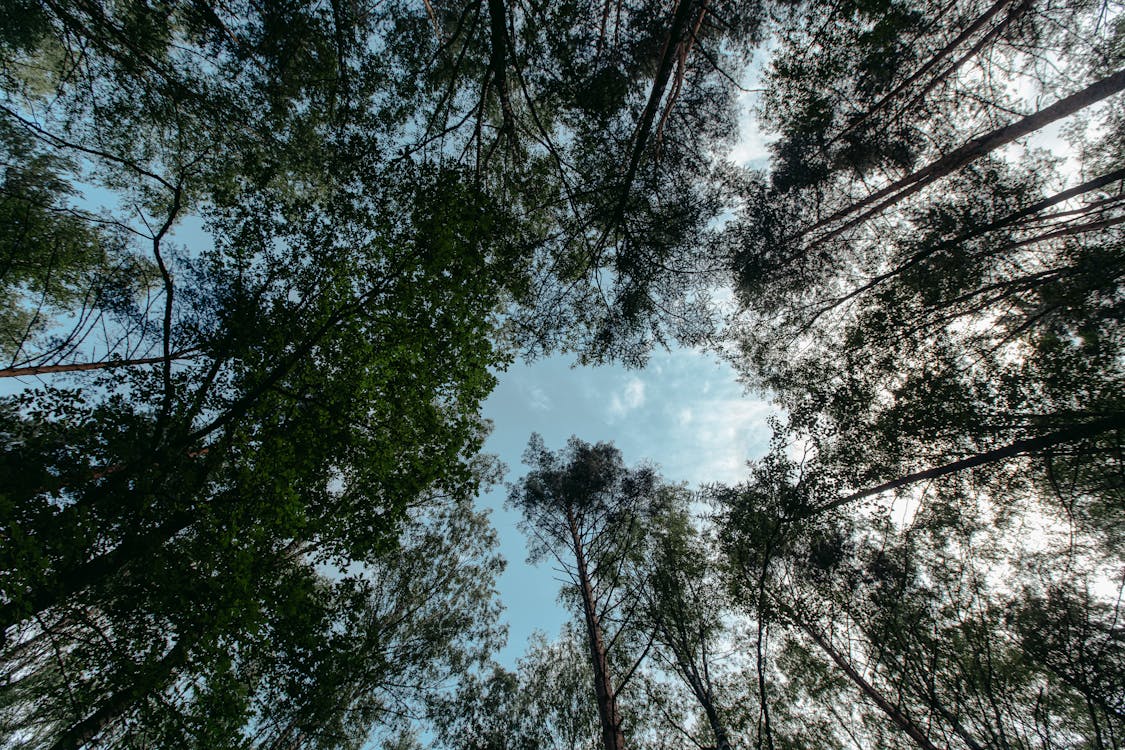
685, 411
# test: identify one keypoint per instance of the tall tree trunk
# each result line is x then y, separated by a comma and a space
74, 579
704, 696
699, 684
722, 740
498, 64
929, 65
676, 30
1010, 219
1011, 450
612, 736
969, 152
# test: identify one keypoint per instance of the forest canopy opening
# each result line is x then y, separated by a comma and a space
262, 264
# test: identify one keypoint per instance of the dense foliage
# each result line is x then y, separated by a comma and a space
262, 262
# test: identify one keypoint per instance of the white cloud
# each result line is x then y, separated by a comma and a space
700, 426
635, 393
632, 397
722, 436
538, 400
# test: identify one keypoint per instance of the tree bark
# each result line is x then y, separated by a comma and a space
702, 692
498, 63
612, 736
703, 695
680, 19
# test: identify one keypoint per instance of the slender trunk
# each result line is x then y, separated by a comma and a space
902, 721
1071, 230
1013, 449
434, 22
958, 728
722, 740
1012, 218
680, 18
984, 41
612, 736
148, 680
764, 727
969, 152
699, 685
109, 364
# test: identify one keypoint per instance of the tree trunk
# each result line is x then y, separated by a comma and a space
930, 64
680, 18
1010, 219
696, 683
969, 152
612, 736
71, 581
1016, 448
148, 680
498, 64
722, 740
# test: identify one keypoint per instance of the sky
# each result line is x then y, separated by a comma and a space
685, 412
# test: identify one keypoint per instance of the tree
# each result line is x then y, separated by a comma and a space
545, 703
331, 654
53, 258
262, 400
922, 325
906, 611
598, 120
685, 605
583, 509
161, 517
932, 306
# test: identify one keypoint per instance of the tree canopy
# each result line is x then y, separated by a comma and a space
262, 264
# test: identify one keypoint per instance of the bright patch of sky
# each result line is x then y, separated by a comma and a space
685, 412
752, 148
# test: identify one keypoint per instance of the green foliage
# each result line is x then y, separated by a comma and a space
285, 247
545, 704
53, 259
